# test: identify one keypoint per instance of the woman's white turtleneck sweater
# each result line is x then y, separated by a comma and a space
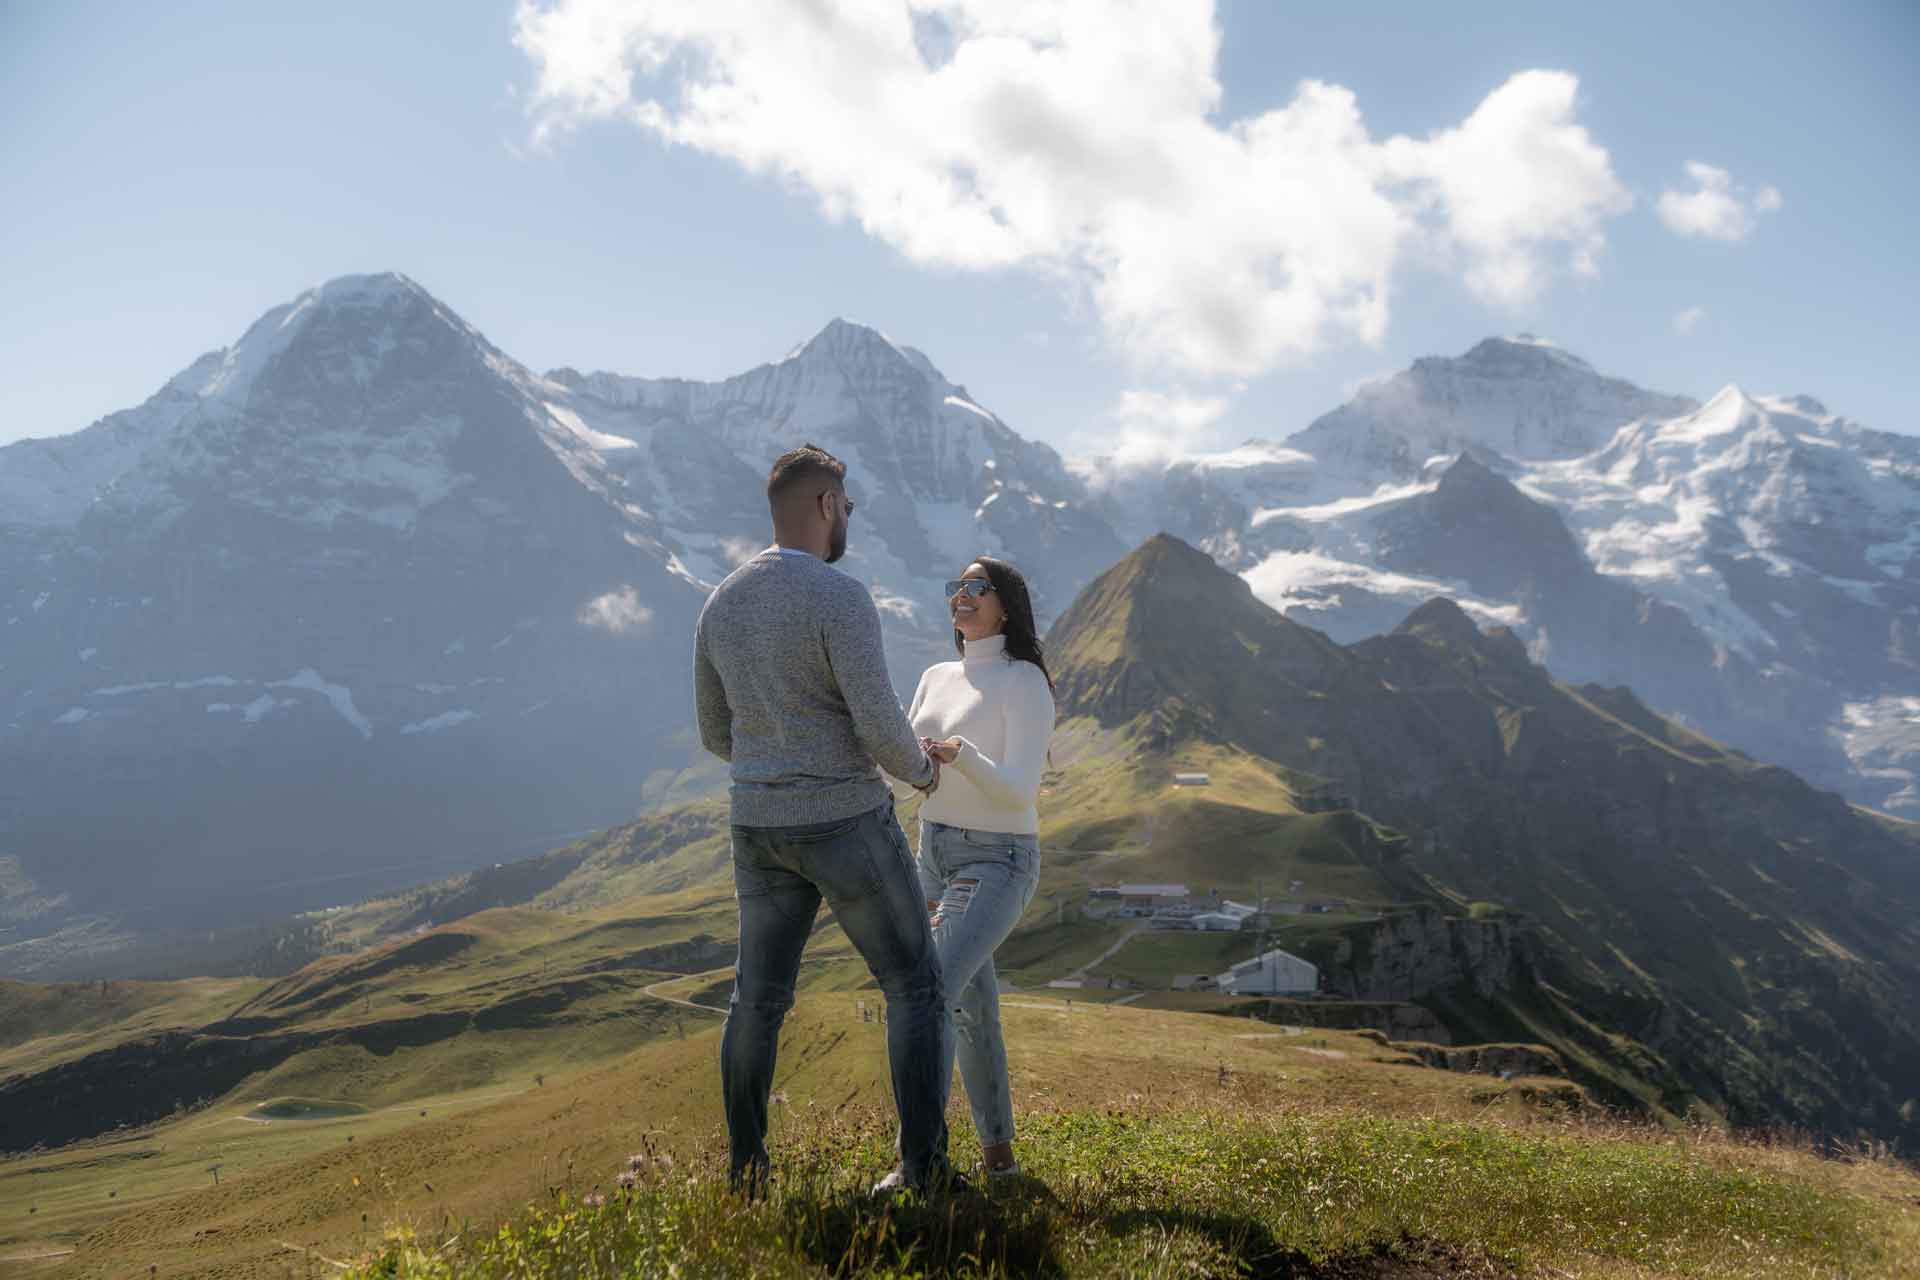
1003, 714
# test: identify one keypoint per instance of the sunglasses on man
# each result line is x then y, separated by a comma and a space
975, 587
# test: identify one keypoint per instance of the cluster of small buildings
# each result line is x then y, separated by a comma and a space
1172, 906
1168, 906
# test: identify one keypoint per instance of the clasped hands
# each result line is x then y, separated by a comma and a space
941, 751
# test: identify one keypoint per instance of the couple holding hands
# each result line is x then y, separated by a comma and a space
791, 688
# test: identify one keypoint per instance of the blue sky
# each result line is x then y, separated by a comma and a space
175, 170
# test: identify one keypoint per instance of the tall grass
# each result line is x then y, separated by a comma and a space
1209, 1191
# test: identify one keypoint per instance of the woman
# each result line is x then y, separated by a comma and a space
987, 719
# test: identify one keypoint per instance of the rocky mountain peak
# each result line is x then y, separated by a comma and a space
348, 331
1523, 354
1520, 397
1441, 621
861, 353
1128, 645
1470, 475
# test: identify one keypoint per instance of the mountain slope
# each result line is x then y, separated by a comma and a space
362, 608
1754, 934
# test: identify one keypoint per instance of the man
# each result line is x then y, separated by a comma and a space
791, 688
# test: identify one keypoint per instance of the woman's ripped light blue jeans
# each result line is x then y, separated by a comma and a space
982, 882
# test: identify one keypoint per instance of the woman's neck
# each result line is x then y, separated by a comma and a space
986, 648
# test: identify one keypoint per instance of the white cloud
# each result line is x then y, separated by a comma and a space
617, 611
1689, 320
1079, 138
1716, 207
1151, 428
1518, 177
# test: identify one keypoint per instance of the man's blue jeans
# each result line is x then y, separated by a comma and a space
864, 870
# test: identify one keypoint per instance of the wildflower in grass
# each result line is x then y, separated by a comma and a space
593, 1200
627, 1180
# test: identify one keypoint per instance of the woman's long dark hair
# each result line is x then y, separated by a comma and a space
1023, 639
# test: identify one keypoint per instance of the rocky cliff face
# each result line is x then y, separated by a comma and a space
1410, 955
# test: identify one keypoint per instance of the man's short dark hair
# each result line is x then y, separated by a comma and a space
807, 465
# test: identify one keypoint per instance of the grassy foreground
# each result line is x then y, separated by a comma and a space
1164, 1144
1216, 1192
1161, 1141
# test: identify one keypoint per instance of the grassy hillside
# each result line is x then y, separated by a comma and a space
499, 994
1163, 1143
1696, 929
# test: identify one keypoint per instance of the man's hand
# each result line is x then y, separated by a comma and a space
933, 784
943, 751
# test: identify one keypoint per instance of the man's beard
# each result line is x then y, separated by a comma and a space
837, 540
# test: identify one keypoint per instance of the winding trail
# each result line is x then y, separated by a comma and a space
1133, 931
653, 990
362, 1115
46, 1256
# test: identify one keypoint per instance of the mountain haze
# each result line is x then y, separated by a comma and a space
360, 599
342, 599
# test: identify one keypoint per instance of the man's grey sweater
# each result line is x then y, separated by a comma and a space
790, 685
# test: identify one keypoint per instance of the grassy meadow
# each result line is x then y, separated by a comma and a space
513, 1073
1160, 1142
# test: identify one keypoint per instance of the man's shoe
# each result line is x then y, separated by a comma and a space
1004, 1171
948, 1183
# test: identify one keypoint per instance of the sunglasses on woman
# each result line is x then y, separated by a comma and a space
975, 587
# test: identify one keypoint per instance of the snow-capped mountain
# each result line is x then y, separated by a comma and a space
1747, 564
938, 478
341, 603
361, 597
1519, 397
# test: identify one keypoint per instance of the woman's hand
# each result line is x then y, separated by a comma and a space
946, 751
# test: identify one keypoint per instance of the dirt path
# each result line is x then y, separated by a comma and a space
654, 991
1133, 931
362, 1115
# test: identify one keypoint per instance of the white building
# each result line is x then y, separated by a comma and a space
1216, 921
1274, 973
1191, 780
